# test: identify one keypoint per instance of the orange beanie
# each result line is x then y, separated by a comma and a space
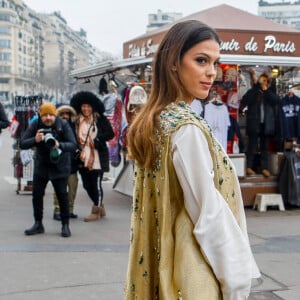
47, 108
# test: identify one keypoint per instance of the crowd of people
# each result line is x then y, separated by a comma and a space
80, 138
68, 140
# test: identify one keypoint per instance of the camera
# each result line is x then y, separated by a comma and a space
50, 142
49, 139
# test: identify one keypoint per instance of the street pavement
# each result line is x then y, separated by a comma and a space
92, 263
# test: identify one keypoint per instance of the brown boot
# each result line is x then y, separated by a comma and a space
250, 172
266, 173
102, 212
94, 216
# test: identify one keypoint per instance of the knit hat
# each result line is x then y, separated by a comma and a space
47, 108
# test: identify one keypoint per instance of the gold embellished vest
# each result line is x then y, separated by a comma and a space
165, 260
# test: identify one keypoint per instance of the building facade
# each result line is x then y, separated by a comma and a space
38, 51
161, 18
287, 13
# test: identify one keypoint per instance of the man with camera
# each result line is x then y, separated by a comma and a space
53, 140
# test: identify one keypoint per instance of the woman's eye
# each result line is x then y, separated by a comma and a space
216, 63
201, 60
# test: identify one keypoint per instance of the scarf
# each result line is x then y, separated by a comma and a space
86, 133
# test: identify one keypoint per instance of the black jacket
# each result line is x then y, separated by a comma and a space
289, 179
73, 154
43, 166
253, 99
4, 123
105, 133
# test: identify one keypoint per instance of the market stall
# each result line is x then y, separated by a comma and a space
249, 42
25, 108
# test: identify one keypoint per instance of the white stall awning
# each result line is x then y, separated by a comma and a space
112, 66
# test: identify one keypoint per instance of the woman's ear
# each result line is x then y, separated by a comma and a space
174, 69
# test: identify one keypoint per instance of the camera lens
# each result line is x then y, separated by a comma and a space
49, 140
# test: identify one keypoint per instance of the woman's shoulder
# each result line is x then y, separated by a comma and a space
176, 115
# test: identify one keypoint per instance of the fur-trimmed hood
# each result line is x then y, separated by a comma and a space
67, 108
86, 97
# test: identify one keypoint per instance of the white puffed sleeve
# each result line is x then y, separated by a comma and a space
216, 229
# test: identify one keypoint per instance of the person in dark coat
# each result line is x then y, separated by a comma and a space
4, 123
53, 140
260, 121
68, 113
93, 131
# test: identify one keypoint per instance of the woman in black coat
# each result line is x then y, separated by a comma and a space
261, 103
93, 130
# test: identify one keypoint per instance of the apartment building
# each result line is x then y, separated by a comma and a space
161, 18
38, 51
284, 12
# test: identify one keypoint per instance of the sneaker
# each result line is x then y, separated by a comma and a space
57, 217
266, 173
73, 216
249, 171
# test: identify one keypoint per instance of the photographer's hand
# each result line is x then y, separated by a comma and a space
39, 136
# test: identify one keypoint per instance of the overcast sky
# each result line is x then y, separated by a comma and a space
110, 23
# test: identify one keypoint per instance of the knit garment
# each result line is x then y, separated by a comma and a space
47, 108
165, 260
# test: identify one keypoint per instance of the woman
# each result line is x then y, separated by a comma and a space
261, 104
188, 235
93, 130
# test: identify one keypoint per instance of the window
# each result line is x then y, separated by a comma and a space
4, 56
5, 69
5, 43
5, 30
4, 80
5, 17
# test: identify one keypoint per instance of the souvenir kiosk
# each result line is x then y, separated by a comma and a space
249, 42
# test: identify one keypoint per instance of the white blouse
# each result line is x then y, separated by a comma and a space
222, 240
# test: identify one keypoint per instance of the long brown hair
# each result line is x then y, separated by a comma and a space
166, 87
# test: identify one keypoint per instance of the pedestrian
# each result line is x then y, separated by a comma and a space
188, 234
4, 122
93, 131
260, 101
53, 140
68, 113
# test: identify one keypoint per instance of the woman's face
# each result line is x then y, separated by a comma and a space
86, 110
263, 82
198, 69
